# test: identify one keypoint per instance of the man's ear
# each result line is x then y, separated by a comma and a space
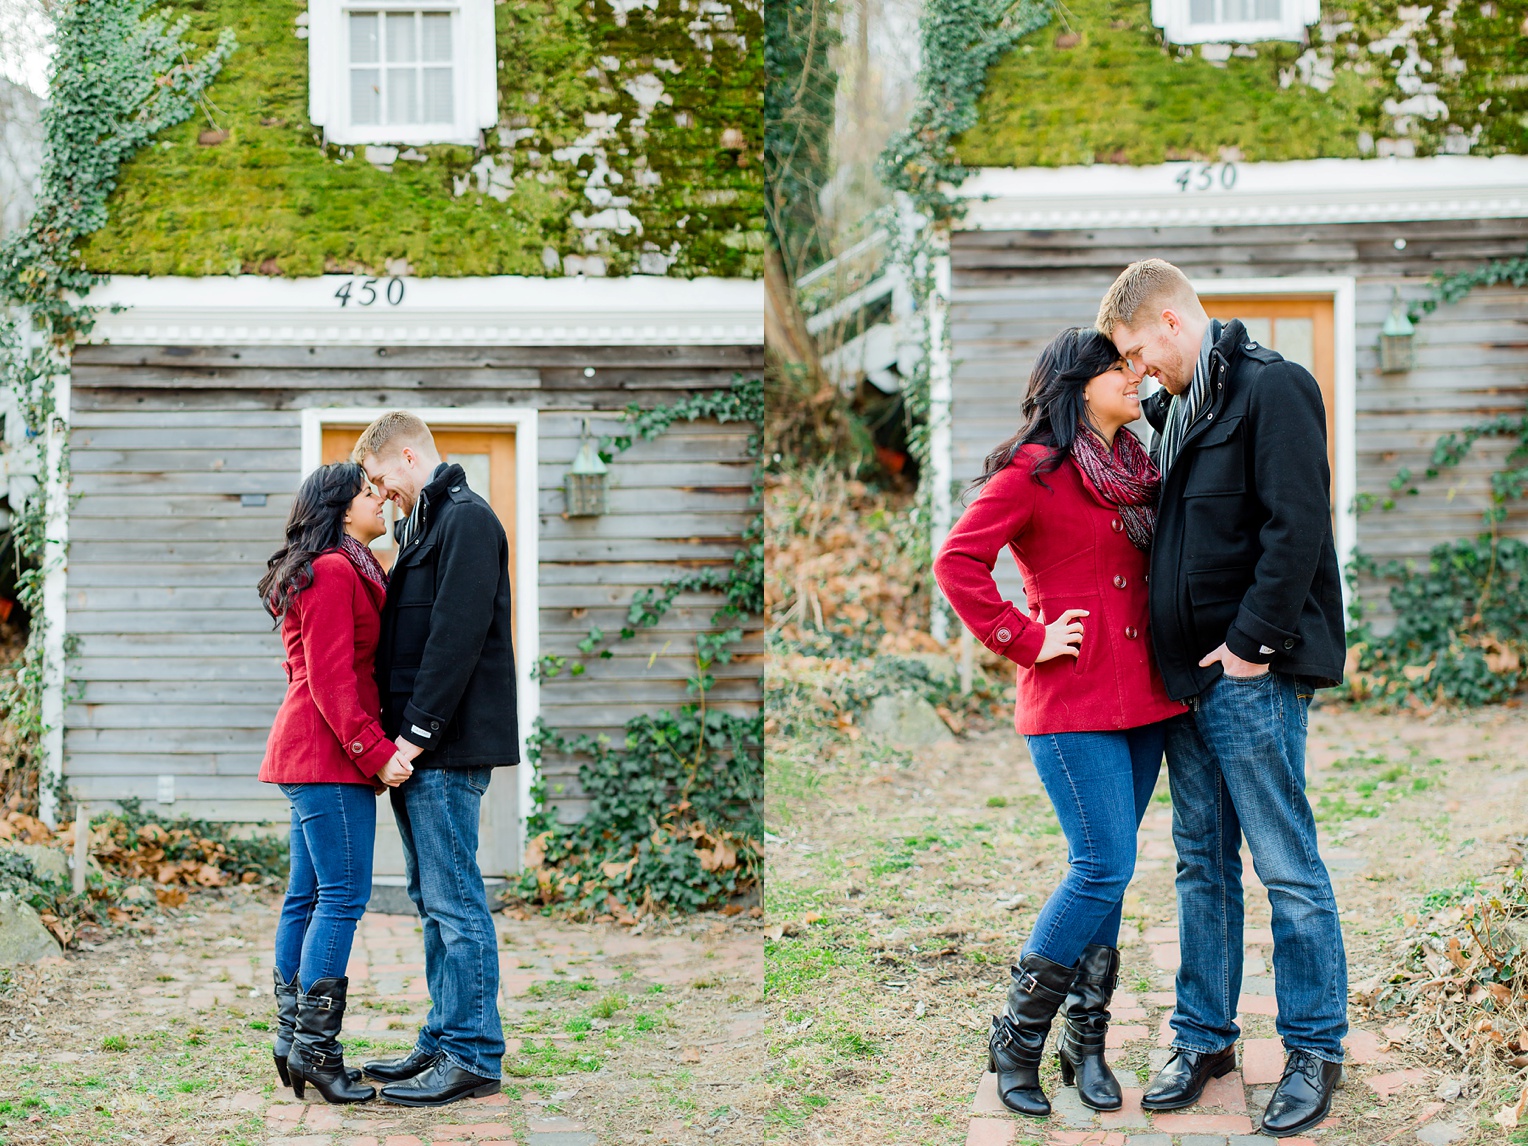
1171, 320
408, 455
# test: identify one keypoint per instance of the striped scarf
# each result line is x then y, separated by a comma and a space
1185, 407
411, 526
1123, 477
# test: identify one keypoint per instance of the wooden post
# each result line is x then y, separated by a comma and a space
967, 660
81, 849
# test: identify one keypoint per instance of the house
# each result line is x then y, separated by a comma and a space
514, 219
1311, 167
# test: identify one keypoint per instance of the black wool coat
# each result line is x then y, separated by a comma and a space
1243, 552
445, 661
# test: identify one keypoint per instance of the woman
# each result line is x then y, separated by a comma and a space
1073, 495
329, 754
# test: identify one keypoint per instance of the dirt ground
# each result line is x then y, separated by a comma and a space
163, 1036
899, 886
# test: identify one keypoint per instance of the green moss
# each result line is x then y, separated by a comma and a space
1119, 95
272, 199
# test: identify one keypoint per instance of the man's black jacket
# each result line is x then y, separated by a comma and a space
445, 664
1243, 551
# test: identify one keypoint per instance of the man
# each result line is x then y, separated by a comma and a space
1246, 616
446, 671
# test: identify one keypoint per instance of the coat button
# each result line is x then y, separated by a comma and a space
1116, 525
1131, 633
456, 489
1146, 577
434, 724
357, 748
1119, 582
1003, 636
1289, 643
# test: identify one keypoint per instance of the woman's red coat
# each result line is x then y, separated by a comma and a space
1073, 552
327, 730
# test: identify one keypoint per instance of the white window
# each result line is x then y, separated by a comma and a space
1233, 21
402, 71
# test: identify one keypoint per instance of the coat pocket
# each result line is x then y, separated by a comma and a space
1216, 596
1051, 608
1218, 462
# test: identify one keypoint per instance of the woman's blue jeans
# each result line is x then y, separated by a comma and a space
1099, 784
333, 829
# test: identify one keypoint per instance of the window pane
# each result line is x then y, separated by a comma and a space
1295, 339
1201, 11
1259, 329
365, 102
437, 95
401, 45
436, 38
363, 37
1267, 10
402, 95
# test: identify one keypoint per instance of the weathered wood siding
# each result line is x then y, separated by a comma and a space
1013, 290
178, 670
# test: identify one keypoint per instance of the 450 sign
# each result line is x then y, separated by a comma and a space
363, 292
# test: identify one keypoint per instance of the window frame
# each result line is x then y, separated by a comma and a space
1172, 16
474, 80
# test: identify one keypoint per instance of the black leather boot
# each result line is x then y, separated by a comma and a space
1018, 1038
1303, 1096
286, 1019
1081, 1045
317, 1056
398, 1069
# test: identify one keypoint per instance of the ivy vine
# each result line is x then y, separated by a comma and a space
119, 75
674, 816
1452, 288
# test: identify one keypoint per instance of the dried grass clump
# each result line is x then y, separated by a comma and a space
1461, 981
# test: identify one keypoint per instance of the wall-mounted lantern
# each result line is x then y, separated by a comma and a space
585, 485
1396, 338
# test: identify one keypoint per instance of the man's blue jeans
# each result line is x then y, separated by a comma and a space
437, 814
1236, 766
1099, 784
333, 829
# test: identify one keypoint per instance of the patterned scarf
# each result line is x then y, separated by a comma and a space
1185, 407
1124, 477
364, 560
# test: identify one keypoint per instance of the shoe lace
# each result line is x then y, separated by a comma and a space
1303, 1062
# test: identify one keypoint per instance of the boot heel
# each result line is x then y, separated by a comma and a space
1222, 1071
281, 1069
298, 1083
991, 1062
1068, 1071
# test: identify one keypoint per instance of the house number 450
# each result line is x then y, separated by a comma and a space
1206, 177
365, 293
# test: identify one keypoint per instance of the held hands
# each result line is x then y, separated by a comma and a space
395, 771
407, 750
1063, 636
1231, 664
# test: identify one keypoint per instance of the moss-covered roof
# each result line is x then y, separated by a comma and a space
1098, 85
271, 199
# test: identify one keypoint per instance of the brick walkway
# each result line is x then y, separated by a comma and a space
1139, 1036
388, 1000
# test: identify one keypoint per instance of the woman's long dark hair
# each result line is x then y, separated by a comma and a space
1053, 406
316, 524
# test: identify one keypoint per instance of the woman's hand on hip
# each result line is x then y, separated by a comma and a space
395, 771
1063, 636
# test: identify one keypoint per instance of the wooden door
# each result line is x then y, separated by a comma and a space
488, 458
1301, 329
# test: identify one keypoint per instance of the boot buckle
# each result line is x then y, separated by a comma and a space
1027, 981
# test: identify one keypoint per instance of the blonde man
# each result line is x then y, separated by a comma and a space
1246, 618
446, 671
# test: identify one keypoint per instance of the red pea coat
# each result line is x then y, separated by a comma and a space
328, 729
1073, 552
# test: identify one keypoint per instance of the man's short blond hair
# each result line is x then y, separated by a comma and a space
1153, 283
392, 431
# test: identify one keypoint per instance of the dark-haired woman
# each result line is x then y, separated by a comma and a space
1073, 495
329, 754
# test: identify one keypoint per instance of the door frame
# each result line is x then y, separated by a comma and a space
1343, 291
522, 419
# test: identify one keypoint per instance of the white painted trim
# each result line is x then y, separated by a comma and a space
473, 65
1300, 191
941, 392
499, 310
1343, 290
523, 419
55, 600
1173, 17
